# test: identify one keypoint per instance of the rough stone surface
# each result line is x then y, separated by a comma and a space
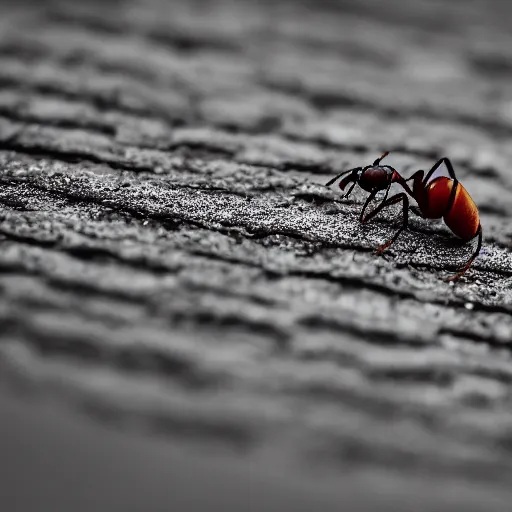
170, 260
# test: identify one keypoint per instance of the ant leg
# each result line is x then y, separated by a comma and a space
384, 155
470, 261
451, 199
369, 199
387, 192
416, 179
367, 202
451, 173
449, 168
392, 200
416, 211
344, 196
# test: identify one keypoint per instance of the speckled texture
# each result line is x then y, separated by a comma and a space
170, 259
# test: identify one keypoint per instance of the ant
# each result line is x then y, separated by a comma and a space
438, 197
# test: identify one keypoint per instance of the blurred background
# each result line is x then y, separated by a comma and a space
189, 318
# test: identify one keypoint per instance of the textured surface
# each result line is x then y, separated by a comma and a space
169, 258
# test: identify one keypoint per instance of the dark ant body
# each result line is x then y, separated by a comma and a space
438, 197
375, 178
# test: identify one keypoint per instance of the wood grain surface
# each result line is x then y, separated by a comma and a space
172, 266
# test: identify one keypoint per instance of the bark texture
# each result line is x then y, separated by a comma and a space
170, 259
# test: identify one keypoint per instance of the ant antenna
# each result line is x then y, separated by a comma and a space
384, 155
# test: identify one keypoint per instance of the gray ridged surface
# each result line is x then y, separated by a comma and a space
170, 259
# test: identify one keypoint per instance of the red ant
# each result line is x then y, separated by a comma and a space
438, 197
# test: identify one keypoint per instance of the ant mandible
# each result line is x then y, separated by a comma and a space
438, 197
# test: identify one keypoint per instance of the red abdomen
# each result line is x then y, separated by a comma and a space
463, 218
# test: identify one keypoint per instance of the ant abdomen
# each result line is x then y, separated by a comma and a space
461, 216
